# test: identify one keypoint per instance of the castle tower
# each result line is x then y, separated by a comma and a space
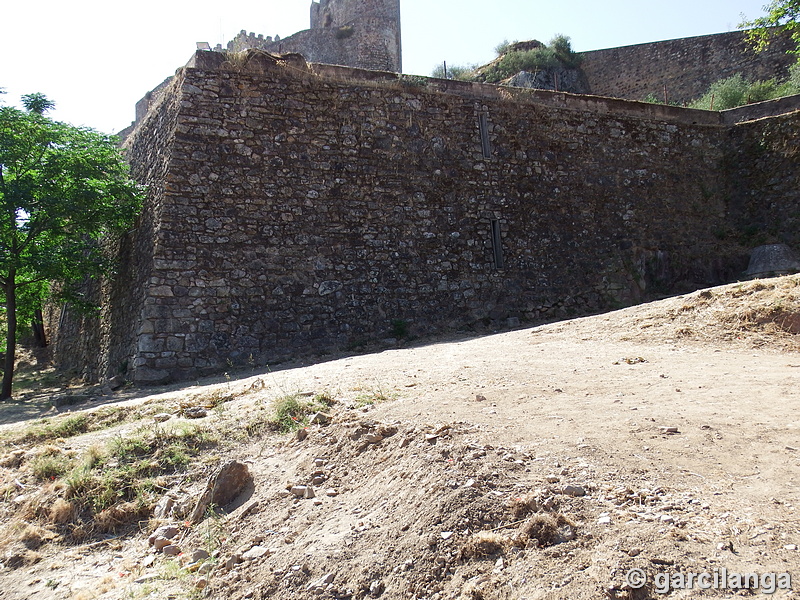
373, 25
354, 33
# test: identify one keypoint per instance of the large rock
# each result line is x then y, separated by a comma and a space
772, 259
554, 78
222, 488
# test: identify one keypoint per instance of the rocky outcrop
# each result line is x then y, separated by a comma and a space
557, 79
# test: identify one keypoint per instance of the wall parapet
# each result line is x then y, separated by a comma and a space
258, 63
761, 110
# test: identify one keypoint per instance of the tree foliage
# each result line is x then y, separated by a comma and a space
503, 47
782, 16
562, 48
62, 190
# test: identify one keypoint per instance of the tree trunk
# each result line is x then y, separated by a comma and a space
38, 329
11, 336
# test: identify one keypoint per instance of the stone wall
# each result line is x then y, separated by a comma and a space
687, 67
276, 229
105, 345
762, 160
285, 229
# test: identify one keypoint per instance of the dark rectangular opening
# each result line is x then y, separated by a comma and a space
497, 245
483, 125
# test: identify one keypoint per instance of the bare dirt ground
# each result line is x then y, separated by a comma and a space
539, 463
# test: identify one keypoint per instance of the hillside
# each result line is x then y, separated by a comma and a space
538, 463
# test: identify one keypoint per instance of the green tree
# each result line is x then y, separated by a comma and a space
782, 16
562, 47
503, 47
62, 190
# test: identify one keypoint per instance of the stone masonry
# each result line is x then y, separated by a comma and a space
685, 67
355, 33
275, 229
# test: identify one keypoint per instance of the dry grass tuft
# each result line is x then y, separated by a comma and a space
19, 556
523, 506
80, 532
22, 535
485, 543
120, 515
32, 537
63, 512
544, 530
760, 313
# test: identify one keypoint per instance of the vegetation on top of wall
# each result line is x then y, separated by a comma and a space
504, 47
562, 47
737, 91
457, 72
514, 57
529, 56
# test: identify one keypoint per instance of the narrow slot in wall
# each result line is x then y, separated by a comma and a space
483, 125
497, 245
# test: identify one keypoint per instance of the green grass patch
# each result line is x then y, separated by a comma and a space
49, 429
51, 465
130, 467
375, 396
291, 411
66, 427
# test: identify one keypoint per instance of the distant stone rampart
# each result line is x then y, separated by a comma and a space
685, 68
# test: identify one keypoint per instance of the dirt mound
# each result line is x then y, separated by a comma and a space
764, 312
540, 463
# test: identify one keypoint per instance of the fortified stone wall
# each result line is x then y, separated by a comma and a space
105, 345
275, 229
687, 67
283, 229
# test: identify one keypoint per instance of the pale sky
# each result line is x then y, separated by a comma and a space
97, 58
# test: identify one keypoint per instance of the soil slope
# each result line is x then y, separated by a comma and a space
539, 463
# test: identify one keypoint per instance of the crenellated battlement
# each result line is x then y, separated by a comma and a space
245, 41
